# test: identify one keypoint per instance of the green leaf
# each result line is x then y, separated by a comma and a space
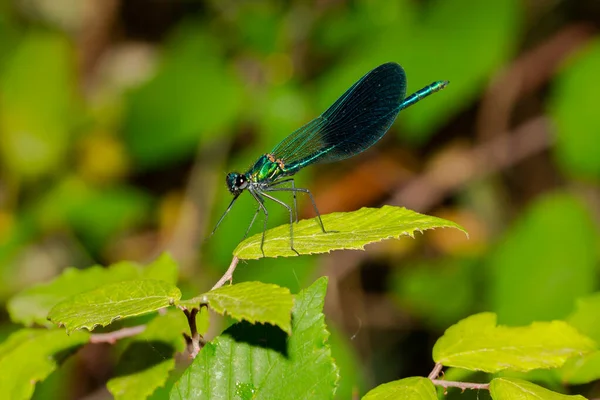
546, 261
262, 362
352, 230
30, 355
517, 389
488, 29
164, 268
176, 100
577, 119
351, 367
37, 105
580, 370
250, 301
477, 343
423, 290
415, 388
31, 306
146, 363
100, 215
96, 214
586, 317
114, 301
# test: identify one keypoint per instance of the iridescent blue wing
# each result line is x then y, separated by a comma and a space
358, 119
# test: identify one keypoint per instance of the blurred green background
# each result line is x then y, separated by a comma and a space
119, 120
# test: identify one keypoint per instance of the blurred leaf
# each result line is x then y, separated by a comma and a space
30, 355
250, 301
572, 107
37, 105
299, 272
9, 34
164, 268
106, 212
96, 214
113, 301
192, 98
31, 306
439, 47
423, 290
262, 362
283, 110
478, 343
60, 381
546, 261
147, 361
580, 370
18, 231
586, 319
352, 378
260, 28
548, 378
352, 230
517, 389
415, 388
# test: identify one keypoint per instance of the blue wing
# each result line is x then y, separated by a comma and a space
357, 120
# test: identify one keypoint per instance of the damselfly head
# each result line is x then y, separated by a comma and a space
236, 183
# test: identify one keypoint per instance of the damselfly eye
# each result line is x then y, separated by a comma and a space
240, 182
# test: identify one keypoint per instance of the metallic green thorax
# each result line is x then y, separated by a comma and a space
267, 169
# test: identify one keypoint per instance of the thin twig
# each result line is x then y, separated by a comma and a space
435, 372
228, 275
112, 337
461, 385
525, 75
195, 341
440, 179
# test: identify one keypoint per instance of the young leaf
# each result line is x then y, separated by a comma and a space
586, 317
529, 264
146, 363
513, 388
477, 343
580, 370
30, 355
31, 306
175, 99
352, 230
164, 268
415, 388
250, 301
577, 122
108, 303
262, 362
38, 83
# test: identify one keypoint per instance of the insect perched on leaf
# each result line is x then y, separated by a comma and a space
356, 121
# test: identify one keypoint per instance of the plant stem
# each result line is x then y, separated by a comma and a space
435, 372
112, 337
195, 342
228, 275
461, 385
